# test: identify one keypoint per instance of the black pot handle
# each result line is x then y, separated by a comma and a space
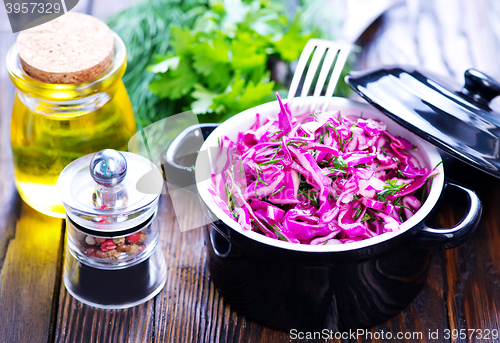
447, 238
175, 173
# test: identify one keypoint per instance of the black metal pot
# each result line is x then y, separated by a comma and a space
292, 286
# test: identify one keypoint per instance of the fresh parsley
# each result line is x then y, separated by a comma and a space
223, 56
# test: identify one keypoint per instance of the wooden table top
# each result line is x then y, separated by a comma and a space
463, 286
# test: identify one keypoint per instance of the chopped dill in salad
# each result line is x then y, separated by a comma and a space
322, 178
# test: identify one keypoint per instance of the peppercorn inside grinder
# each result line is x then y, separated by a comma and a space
111, 258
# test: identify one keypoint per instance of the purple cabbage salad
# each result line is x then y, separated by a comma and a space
323, 178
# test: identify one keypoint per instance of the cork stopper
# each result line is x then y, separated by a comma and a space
73, 48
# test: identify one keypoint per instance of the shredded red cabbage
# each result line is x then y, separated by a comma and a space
323, 178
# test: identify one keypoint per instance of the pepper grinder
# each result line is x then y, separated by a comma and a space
112, 260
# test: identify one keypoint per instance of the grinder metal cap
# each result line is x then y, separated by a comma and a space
110, 191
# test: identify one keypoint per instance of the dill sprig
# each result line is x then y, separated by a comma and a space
390, 188
270, 162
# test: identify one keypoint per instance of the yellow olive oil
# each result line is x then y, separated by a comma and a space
44, 143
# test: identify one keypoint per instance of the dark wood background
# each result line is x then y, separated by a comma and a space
463, 288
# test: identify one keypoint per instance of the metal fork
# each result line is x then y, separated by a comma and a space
362, 13
319, 47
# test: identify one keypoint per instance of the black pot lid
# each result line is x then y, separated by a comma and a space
455, 118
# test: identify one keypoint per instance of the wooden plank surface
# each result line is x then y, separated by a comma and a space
31, 269
462, 291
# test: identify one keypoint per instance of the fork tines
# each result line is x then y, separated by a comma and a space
335, 52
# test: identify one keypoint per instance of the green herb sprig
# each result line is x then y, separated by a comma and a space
390, 188
218, 65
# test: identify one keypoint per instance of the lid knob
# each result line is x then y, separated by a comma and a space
480, 86
108, 167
